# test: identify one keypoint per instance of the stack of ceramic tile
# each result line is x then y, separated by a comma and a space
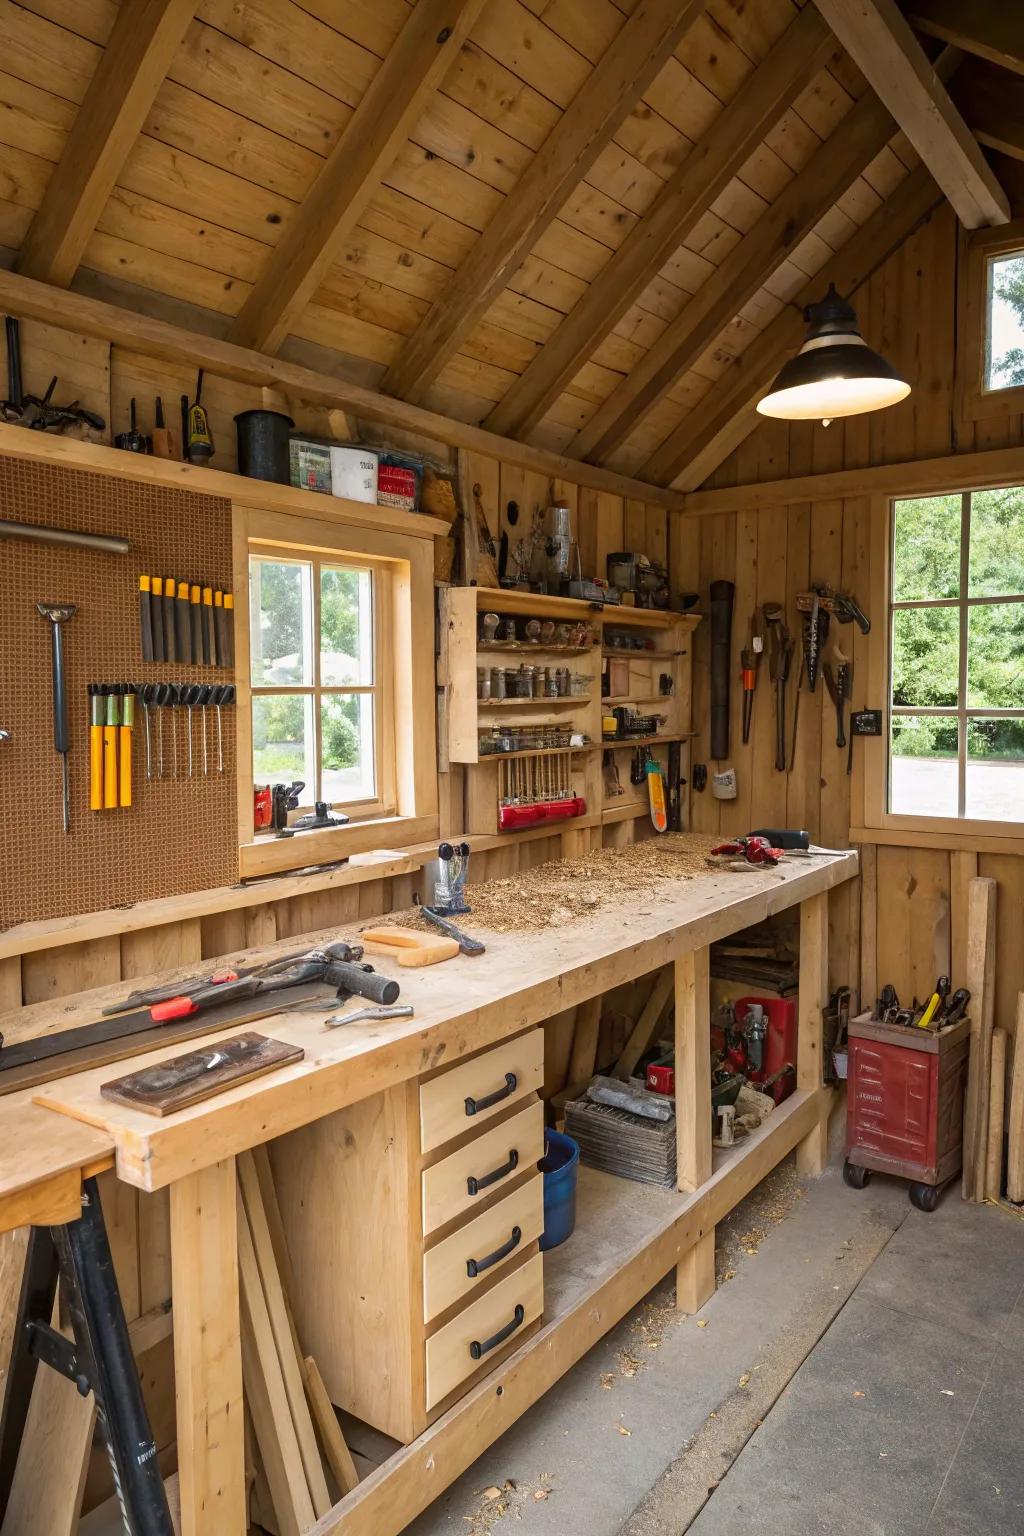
622, 1143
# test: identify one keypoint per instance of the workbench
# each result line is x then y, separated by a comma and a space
627, 1236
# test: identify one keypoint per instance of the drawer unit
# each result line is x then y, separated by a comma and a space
467, 1261
475, 1091
486, 1328
413, 1228
466, 1178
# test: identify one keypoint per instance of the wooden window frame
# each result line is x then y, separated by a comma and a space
978, 248
870, 788
383, 801
408, 812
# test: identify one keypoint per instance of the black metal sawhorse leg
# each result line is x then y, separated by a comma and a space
100, 1360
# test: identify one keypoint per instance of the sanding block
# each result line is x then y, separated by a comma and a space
408, 946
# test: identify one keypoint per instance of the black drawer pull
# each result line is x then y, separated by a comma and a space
474, 1186
476, 1267
511, 1084
478, 1350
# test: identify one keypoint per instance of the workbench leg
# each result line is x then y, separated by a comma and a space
695, 1273
812, 1152
207, 1351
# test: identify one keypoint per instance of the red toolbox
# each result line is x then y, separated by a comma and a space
779, 1045
905, 1104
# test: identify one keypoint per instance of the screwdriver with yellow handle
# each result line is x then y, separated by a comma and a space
110, 728
96, 716
935, 1002
124, 746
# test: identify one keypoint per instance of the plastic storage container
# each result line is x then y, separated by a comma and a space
559, 1166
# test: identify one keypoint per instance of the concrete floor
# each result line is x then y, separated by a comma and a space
857, 1371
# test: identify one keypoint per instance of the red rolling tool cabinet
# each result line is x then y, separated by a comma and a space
905, 1105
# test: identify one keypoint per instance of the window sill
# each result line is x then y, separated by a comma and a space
270, 855
954, 842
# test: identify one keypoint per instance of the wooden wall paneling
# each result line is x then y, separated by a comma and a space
10, 982
153, 950
223, 932
913, 929
868, 893
154, 1228
963, 868
768, 806
75, 968
1008, 872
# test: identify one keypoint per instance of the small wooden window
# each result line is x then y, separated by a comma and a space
956, 659
991, 323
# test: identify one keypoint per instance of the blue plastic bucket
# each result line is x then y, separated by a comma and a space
558, 1165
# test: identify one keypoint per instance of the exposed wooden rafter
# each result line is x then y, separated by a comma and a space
990, 28
426, 47
862, 135
726, 416
612, 89
158, 339
131, 70
801, 51
881, 42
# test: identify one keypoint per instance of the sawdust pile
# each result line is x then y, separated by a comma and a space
566, 890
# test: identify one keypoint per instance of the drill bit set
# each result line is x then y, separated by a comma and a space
536, 787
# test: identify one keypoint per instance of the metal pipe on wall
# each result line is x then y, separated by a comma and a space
42, 533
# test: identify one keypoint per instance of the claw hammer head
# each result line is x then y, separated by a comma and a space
57, 613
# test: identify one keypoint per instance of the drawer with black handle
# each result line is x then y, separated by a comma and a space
485, 1331
466, 1178
473, 1092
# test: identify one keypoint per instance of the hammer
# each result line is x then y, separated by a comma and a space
58, 614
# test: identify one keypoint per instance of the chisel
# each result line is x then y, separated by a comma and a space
112, 721
229, 629
124, 747
96, 713
196, 623
170, 597
156, 605
183, 623
146, 618
220, 643
207, 626
163, 443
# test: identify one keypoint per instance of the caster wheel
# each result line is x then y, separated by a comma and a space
857, 1177
924, 1196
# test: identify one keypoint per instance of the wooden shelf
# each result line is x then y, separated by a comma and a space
508, 757
647, 741
663, 699
541, 605
143, 469
581, 699
525, 647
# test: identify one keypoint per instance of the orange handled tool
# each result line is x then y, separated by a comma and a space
110, 728
96, 710
124, 755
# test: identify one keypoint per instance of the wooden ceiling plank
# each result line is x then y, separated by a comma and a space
704, 174
992, 102
380, 126
611, 90
881, 42
157, 339
989, 28
115, 106
726, 416
809, 196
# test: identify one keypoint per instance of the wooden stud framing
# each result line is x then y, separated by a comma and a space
880, 41
130, 72
614, 86
812, 1153
684, 199
207, 1350
427, 45
778, 232
693, 1069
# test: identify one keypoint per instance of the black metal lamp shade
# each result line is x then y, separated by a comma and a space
835, 373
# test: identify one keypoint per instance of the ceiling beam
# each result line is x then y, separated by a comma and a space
880, 41
990, 28
426, 47
130, 72
173, 343
727, 416
837, 163
612, 89
800, 53
992, 102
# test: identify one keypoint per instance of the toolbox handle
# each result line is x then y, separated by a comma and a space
473, 1106
474, 1186
476, 1267
478, 1350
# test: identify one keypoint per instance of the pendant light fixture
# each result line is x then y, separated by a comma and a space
835, 373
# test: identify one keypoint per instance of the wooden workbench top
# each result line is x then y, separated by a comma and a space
461, 1006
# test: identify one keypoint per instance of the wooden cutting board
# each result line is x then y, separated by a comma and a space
408, 946
197, 1075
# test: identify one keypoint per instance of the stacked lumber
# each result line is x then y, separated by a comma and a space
291, 1415
1015, 1151
981, 980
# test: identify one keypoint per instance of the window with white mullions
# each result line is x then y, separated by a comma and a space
956, 720
319, 708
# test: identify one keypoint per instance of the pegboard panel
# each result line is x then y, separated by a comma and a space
179, 834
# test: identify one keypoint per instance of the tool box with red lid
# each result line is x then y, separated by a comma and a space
905, 1104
